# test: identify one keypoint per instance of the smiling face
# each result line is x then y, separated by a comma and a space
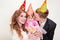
36, 17
22, 18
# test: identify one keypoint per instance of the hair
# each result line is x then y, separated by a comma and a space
41, 14
14, 25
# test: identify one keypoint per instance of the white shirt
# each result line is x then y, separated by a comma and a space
15, 35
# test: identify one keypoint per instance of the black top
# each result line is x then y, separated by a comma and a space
49, 27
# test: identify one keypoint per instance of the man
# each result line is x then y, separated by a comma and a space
46, 23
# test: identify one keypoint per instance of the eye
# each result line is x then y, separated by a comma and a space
21, 15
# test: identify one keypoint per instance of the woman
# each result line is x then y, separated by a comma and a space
17, 26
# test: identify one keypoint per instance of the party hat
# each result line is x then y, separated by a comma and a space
30, 10
43, 7
22, 7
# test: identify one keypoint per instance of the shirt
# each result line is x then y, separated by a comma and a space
16, 37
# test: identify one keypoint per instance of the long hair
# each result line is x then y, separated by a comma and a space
14, 25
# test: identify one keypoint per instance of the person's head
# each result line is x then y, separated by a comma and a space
19, 16
40, 15
22, 17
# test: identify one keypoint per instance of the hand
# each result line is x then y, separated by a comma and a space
38, 34
31, 29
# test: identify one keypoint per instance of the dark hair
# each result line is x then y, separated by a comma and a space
14, 24
41, 14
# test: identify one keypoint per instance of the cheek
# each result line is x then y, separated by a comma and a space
20, 19
24, 19
36, 18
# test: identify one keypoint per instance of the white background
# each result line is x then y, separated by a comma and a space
7, 8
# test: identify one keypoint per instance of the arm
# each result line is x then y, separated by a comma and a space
51, 33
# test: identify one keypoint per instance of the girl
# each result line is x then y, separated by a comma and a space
17, 26
32, 26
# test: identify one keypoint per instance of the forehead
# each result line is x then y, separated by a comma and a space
23, 13
36, 14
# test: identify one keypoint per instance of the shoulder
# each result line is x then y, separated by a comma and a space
51, 23
15, 35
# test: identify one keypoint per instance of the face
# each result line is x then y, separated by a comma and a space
22, 18
29, 18
36, 17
